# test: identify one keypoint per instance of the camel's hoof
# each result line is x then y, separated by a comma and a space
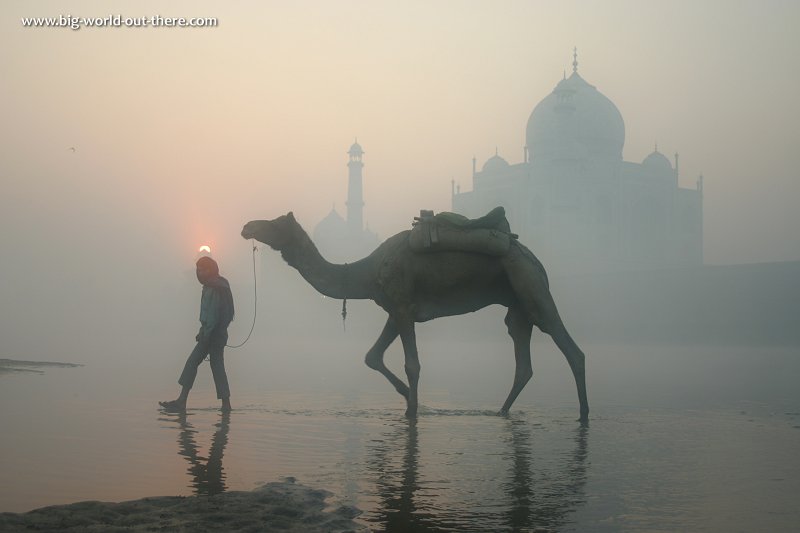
502, 412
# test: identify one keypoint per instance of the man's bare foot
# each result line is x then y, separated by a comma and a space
173, 406
226, 405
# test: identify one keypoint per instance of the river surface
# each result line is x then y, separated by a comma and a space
681, 438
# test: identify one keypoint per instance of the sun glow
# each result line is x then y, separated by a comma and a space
205, 248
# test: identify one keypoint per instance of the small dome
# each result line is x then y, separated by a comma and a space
332, 219
495, 164
330, 227
657, 162
356, 149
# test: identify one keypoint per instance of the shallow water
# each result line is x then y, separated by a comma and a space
680, 439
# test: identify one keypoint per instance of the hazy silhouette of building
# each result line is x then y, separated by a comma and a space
577, 203
346, 239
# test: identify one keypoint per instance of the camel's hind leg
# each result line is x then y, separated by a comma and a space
374, 358
519, 327
529, 281
551, 324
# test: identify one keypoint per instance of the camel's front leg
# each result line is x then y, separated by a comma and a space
409, 338
374, 358
519, 328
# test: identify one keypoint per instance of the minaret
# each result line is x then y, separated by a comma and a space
355, 194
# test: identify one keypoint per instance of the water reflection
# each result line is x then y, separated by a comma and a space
543, 495
397, 488
539, 490
206, 473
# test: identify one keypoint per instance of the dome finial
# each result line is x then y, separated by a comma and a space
575, 59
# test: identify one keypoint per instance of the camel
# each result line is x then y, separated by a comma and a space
416, 287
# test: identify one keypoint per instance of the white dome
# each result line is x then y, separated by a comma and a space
575, 120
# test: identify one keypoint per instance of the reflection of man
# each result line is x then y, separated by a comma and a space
207, 478
216, 312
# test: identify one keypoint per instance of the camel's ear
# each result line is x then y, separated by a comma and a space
290, 215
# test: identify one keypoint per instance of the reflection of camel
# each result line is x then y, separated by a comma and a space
541, 490
540, 497
416, 287
208, 477
399, 509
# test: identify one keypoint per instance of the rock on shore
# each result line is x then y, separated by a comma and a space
279, 506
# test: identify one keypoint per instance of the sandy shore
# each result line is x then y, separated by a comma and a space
280, 506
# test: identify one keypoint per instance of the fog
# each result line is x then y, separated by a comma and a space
125, 149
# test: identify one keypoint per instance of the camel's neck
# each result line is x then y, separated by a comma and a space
354, 280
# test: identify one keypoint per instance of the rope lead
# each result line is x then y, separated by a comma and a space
255, 301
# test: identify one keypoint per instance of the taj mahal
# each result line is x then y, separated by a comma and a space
573, 199
577, 203
621, 240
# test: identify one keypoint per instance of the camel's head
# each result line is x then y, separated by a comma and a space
276, 233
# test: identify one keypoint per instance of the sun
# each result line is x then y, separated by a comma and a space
205, 248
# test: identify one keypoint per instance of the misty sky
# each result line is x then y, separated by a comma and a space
183, 134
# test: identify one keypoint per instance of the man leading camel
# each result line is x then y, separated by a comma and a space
216, 312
